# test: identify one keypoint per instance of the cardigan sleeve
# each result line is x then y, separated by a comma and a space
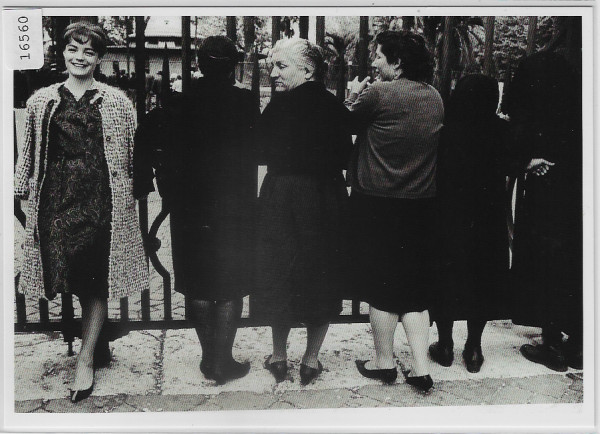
362, 108
25, 156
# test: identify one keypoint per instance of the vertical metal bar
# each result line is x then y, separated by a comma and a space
20, 301
43, 304
303, 24
186, 67
355, 308
124, 309
140, 67
275, 36
320, 31
231, 25
363, 47
488, 57
531, 33
168, 314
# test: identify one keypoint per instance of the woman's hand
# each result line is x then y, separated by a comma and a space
356, 86
539, 166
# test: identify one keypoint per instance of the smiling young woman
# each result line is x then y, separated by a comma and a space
75, 170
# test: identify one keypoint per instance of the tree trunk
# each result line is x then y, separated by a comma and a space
408, 23
531, 33
488, 59
446, 69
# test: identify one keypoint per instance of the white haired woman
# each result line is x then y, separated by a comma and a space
301, 205
75, 170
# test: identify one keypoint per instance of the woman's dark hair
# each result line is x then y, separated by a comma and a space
217, 57
474, 98
412, 52
83, 32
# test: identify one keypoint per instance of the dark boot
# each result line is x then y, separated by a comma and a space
573, 353
550, 356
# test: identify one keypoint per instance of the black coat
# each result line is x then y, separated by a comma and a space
544, 103
471, 179
304, 131
206, 173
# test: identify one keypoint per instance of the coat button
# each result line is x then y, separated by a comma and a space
108, 138
114, 173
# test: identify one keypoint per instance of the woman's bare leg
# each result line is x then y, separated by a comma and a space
314, 341
416, 326
384, 326
93, 314
280, 337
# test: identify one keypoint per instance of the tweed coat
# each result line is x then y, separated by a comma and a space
128, 270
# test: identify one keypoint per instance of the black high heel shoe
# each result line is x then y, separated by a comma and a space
388, 376
308, 374
423, 382
277, 369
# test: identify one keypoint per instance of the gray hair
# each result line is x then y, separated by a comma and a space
304, 52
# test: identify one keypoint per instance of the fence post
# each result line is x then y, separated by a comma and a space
303, 24
363, 47
140, 98
275, 36
185, 57
531, 33
320, 31
488, 57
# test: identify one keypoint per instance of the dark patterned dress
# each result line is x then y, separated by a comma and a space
75, 203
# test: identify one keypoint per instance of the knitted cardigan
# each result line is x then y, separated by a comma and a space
128, 270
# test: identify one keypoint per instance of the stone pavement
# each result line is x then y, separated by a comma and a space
158, 371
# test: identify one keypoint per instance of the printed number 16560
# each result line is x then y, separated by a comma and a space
23, 37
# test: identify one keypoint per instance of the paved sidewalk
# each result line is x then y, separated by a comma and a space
158, 371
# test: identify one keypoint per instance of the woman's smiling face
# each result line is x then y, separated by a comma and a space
385, 71
81, 59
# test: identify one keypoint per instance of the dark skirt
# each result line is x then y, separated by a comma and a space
213, 248
300, 250
392, 255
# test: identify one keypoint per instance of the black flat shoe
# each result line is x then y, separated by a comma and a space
206, 370
442, 354
308, 374
232, 371
473, 358
388, 376
277, 369
423, 382
547, 355
80, 395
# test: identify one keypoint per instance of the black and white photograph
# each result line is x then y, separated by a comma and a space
344, 219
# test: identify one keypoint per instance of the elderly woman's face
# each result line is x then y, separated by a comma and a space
288, 71
384, 70
81, 59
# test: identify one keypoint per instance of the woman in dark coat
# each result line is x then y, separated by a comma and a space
301, 205
207, 176
471, 182
544, 104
